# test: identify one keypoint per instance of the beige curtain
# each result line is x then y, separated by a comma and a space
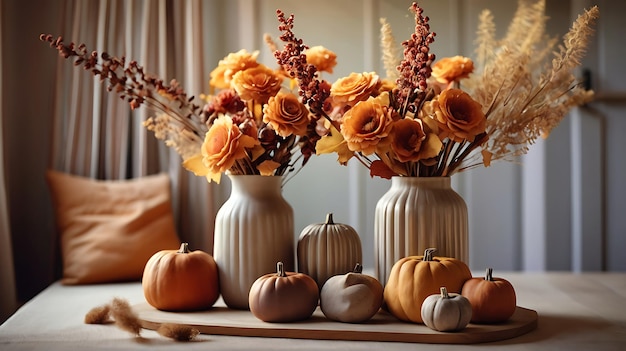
95, 134
7, 276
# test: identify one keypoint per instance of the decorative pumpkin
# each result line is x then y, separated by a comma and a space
493, 299
181, 280
352, 298
327, 249
412, 279
283, 296
446, 312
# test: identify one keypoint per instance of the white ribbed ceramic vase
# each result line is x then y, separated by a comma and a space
253, 231
415, 214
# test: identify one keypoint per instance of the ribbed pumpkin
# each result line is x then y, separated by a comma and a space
414, 278
283, 296
181, 280
327, 249
493, 299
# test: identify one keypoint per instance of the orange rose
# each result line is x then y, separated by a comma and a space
365, 127
256, 84
231, 64
354, 88
451, 69
411, 140
286, 114
322, 58
458, 116
224, 144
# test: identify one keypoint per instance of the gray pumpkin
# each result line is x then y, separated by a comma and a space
327, 249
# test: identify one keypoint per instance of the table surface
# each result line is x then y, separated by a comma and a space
585, 311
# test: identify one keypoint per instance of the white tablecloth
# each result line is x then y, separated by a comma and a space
576, 312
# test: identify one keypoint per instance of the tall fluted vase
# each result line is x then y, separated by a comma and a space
418, 213
253, 231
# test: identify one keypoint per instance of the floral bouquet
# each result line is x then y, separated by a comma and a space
261, 121
425, 118
432, 118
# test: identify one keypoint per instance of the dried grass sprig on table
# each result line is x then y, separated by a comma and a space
99, 315
178, 332
120, 312
124, 316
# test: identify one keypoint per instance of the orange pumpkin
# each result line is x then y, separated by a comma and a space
181, 280
493, 299
412, 279
283, 296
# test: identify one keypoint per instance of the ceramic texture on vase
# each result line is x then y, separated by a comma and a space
415, 214
254, 229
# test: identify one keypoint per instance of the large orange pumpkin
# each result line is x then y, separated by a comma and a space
181, 280
412, 279
283, 296
493, 299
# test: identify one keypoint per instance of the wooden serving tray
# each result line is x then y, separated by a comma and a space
221, 320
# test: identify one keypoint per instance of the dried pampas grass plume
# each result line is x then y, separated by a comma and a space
524, 93
390, 50
125, 318
99, 315
178, 332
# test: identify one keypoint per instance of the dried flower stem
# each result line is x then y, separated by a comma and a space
132, 84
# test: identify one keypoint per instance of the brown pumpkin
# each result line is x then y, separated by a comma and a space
412, 279
181, 280
283, 296
493, 299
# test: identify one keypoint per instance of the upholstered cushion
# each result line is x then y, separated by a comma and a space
109, 229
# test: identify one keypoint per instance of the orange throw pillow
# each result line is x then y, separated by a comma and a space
110, 228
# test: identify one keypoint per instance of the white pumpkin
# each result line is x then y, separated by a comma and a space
327, 249
351, 298
446, 312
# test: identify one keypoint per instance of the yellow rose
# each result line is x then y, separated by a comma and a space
451, 69
458, 116
411, 140
231, 64
256, 84
286, 114
322, 58
354, 88
223, 145
365, 127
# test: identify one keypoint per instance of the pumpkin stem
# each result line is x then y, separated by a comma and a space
329, 219
280, 269
489, 274
428, 254
184, 248
358, 268
444, 292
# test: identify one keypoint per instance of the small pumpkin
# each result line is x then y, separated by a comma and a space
327, 249
413, 278
446, 312
493, 299
353, 297
283, 296
181, 280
